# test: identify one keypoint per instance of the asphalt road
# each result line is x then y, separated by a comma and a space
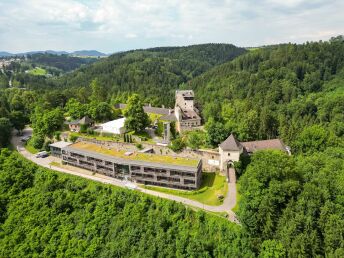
227, 205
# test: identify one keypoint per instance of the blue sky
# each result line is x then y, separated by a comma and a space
117, 25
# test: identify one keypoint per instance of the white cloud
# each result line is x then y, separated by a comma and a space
112, 25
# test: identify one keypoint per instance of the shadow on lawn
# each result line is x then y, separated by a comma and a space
208, 179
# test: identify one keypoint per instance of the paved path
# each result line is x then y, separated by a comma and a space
228, 203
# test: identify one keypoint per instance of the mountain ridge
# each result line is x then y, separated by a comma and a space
90, 53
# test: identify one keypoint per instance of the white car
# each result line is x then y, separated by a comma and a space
42, 154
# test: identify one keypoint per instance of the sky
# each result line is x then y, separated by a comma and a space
118, 25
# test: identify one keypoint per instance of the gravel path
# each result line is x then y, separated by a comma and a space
228, 203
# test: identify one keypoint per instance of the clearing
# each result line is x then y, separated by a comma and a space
37, 71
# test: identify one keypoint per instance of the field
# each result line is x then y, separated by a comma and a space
213, 185
38, 71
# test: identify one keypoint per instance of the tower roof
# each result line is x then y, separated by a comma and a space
85, 120
231, 144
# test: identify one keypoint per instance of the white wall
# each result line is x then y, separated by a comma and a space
226, 156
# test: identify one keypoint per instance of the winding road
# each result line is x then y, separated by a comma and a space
228, 203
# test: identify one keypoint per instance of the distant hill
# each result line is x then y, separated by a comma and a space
155, 73
81, 53
5, 54
94, 53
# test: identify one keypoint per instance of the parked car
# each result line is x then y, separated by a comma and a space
42, 154
25, 138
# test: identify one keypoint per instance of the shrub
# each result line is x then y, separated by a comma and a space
73, 137
177, 145
83, 128
139, 146
160, 129
46, 145
90, 131
57, 135
37, 141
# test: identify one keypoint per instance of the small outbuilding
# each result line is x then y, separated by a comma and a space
75, 125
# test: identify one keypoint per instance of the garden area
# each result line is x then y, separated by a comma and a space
212, 191
37, 71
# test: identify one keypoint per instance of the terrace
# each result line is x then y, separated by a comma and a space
136, 156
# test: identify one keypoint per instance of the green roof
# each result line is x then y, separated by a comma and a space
147, 157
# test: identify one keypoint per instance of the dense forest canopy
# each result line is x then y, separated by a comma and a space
65, 63
46, 214
294, 204
278, 91
153, 73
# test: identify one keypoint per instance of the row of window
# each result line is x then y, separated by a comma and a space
94, 159
190, 124
142, 175
183, 187
76, 155
180, 173
170, 179
104, 168
189, 182
69, 159
85, 163
155, 170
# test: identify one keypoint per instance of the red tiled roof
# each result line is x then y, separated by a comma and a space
275, 144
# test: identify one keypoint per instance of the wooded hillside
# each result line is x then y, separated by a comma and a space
279, 91
48, 214
153, 73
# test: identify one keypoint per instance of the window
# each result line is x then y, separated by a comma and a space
229, 154
135, 168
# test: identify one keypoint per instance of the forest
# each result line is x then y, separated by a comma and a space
65, 63
290, 91
46, 214
290, 206
153, 73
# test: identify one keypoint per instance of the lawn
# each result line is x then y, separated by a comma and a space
213, 185
37, 71
99, 137
253, 48
236, 207
55, 164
